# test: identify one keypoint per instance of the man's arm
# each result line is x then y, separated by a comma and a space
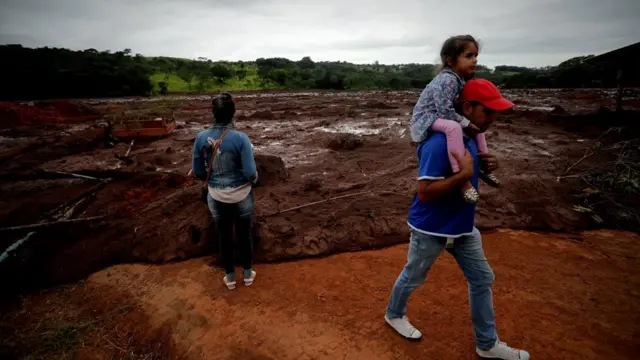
432, 189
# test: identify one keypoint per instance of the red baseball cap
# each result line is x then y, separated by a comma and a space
487, 94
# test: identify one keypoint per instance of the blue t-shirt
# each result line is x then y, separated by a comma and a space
449, 215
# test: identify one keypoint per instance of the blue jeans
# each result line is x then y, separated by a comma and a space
468, 252
226, 217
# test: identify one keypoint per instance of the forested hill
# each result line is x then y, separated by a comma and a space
61, 73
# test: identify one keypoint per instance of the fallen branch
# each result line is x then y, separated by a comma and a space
333, 214
115, 346
313, 203
15, 245
79, 176
583, 158
50, 224
143, 151
130, 147
66, 212
588, 154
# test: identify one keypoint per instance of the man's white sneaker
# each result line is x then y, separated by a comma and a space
502, 351
404, 327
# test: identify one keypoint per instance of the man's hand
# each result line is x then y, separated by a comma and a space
488, 162
465, 163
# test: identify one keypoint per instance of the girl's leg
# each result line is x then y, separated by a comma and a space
482, 143
487, 176
453, 131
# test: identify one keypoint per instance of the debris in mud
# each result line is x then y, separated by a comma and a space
14, 114
264, 115
609, 174
271, 169
583, 95
312, 184
378, 105
339, 142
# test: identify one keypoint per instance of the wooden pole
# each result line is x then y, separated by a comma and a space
619, 95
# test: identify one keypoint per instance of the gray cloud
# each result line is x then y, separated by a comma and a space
530, 32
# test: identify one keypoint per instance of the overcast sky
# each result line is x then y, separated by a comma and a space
529, 32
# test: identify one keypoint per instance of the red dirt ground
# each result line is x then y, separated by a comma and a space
560, 297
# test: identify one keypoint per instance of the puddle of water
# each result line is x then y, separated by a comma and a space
536, 108
363, 127
350, 129
293, 155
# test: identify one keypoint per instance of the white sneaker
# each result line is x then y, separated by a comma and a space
502, 351
230, 284
404, 327
249, 281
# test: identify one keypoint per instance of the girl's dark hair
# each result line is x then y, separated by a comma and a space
223, 108
452, 48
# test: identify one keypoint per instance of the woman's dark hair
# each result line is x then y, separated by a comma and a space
452, 48
223, 108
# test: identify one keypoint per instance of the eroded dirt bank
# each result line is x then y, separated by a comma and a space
311, 147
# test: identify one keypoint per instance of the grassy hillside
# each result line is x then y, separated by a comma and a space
177, 84
242, 76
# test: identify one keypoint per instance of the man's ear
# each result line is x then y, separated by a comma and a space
467, 109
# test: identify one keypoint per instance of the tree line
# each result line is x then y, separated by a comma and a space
62, 73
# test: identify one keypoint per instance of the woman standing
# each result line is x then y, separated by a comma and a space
229, 180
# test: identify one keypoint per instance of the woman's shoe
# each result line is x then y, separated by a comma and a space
231, 284
249, 280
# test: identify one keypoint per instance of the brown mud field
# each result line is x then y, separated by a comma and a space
337, 176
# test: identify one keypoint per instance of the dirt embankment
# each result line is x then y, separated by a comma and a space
337, 174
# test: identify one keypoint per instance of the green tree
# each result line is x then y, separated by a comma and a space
306, 63
221, 73
241, 74
164, 87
